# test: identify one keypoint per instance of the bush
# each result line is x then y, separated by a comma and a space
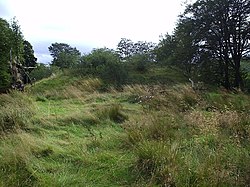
42, 71
105, 64
140, 62
113, 73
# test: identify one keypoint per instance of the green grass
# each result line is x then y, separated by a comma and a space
72, 134
155, 75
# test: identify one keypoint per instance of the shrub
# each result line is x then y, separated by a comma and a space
140, 62
105, 64
113, 73
43, 71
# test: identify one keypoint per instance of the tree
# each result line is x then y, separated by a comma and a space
42, 71
30, 61
99, 57
17, 41
222, 29
139, 62
15, 53
104, 63
126, 48
5, 46
165, 49
64, 56
186, 52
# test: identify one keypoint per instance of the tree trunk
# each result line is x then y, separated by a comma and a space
238, 82
226, 78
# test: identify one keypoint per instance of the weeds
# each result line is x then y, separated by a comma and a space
167, 136
157, 161
209, 144
16, 112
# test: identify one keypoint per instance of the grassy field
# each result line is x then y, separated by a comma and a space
66, 131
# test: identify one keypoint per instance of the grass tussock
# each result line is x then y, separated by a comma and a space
16, 111
16, 158
113, 112
141, 135
188, 139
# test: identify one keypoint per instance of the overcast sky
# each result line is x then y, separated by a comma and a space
88, 24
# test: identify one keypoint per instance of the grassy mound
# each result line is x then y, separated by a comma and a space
67, 132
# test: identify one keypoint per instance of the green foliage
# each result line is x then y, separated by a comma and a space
64, 56
42, 71
4, 77
164, 51
113, 73
140, 62
29, 58
126, 48
98, 58
30, 61
202, 46
105, 64
216, 40
13, 47
5, 46
17, 41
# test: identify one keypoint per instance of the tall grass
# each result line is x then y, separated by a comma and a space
57, 88
180, 142
16, 111
144, 135
113, 113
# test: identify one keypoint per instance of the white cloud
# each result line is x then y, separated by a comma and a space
95, 23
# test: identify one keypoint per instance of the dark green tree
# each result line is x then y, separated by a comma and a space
105, 64
29, 58
99, 57
186, 52
17, 41
5, 47
164, 51
140, 62
221, 28
42, 71
64, 56
13, 48
30, 61
126, 48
